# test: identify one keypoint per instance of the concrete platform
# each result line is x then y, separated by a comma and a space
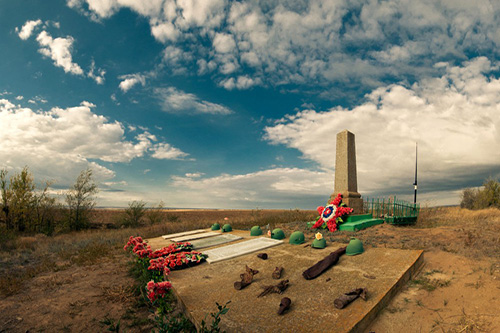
382, 271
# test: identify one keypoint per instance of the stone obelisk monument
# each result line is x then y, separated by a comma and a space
346, 181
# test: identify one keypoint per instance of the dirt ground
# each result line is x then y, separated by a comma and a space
457, 290
80, 299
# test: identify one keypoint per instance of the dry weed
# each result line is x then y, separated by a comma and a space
118, 293
54, 281
469, 323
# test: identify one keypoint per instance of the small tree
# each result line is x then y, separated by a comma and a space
481, 198
23, 207
155, 214
22, 199
469, 196
5, 199
81, 201
45, 211
489, 196
134, 213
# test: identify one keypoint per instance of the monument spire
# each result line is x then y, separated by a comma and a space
346, 181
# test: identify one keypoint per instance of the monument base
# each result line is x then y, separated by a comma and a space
356, 204
352, 200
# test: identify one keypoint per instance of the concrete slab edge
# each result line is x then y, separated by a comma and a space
410, 273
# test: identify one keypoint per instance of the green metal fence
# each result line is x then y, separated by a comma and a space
392, 210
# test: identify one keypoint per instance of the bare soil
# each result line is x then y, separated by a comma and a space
457, 290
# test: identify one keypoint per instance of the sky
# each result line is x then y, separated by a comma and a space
236, 104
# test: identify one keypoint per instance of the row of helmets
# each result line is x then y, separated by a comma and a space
297, 237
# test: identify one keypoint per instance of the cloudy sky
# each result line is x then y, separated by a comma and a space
236, 104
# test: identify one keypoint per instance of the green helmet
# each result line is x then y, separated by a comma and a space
296, 238
215, 226
319, 243
227, 228
355, 247
255, 231
277, 234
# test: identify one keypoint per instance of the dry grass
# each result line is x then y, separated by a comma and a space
26, 257
29, 256
456, 216
473, 234
205, 218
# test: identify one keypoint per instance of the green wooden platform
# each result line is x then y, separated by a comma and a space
359, 222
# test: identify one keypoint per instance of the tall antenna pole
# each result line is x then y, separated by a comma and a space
415, 183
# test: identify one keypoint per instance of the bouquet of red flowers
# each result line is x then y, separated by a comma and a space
157, 290
178, 260
143, 250
331, 215
172, 248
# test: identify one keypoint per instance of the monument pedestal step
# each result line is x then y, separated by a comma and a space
401, 220
359, 217
359, 224
355, 222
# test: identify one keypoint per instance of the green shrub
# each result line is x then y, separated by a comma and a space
480, 198
469, 197
7, 239
134, 214
81, 201
24, 207
155, 214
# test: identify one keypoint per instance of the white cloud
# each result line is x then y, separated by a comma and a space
27, 29
278, 187
224, 43
103, 8
174, 100
59, 50
315, 42
99, 77
57, 144
120, 183
454, 119
200, 13
194, 175
19, 98
36, 100
242, 83
148, 8
164, 151
130, 80
164, 31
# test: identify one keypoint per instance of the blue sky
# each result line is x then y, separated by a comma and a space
226, 104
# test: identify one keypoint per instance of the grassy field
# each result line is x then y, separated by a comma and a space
67, 268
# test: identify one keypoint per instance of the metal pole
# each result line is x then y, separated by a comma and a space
415, 183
